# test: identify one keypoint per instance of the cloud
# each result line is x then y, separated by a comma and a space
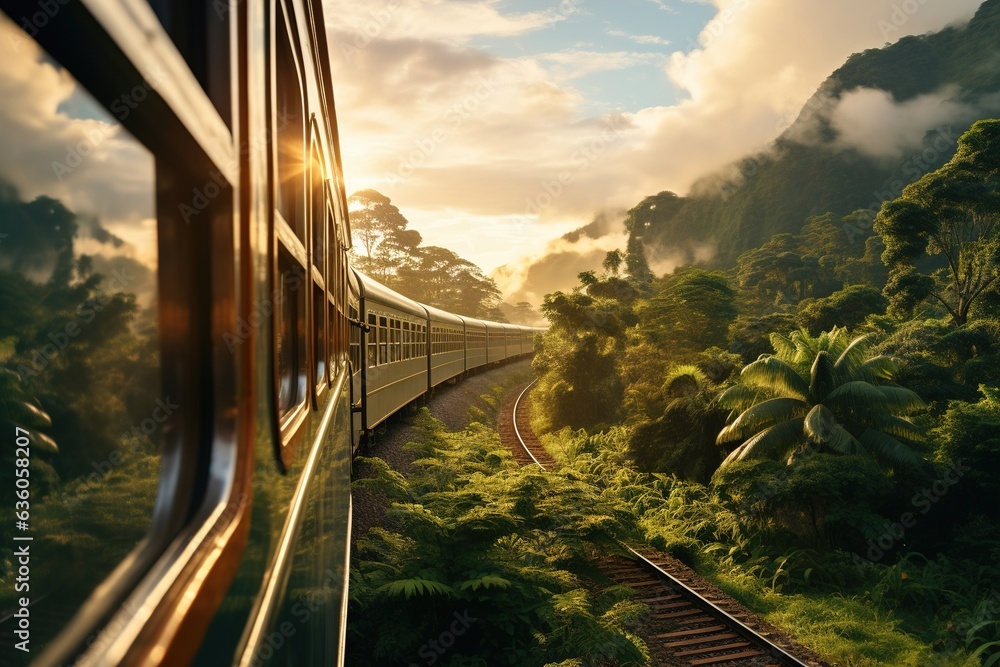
875, 124
578, 63
526, 150
59, 143
557, 265
448, 21
664, 6
640, 39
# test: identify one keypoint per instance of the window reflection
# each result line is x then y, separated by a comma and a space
79, 347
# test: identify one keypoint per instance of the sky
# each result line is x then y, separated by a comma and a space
497, 126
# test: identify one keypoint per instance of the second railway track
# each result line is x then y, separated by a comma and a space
691, 623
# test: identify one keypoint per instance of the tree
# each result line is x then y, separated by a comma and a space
389, 252
612, 263
691, 311
681, 440
438, 277
382, 243
846, 308
577, 360
823, 394
951, 215
635, 262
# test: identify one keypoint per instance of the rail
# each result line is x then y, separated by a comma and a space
690, 640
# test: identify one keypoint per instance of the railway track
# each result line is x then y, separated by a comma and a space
691, 622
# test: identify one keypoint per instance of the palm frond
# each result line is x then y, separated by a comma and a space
776, 377
852, 358
684, 380
901, 399
842, 442
819, 424
784, 347
821, 377
739, 397
857, 397
765, 413
773, 442
898, 427
882, 367
887, 450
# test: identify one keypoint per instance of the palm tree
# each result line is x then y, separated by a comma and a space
825, 393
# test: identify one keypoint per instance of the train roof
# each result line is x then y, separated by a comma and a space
438, 315
379, 293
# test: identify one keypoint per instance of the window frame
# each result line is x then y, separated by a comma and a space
192, 144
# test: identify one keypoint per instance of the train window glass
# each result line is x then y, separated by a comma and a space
80, 364
390, 336
383, 341
289, 129
372, 337
397, 341
319, 333
332, 338
319, 241
290, 349
355, 340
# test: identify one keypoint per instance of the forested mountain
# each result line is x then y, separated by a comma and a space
878, 123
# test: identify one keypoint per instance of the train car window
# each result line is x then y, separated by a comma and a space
383, 341
318, 217
372, 340
355, 339
319, 333
337, 336
397, 341
81, 398
390, 333
290, 349
289, 128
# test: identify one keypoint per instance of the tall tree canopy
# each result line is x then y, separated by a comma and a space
382, 243
388, 251
691, 310
950, 216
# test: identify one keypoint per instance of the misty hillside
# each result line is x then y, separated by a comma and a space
879, 122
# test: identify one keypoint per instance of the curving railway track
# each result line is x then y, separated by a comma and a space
691, 622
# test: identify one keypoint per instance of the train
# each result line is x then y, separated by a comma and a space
188, 360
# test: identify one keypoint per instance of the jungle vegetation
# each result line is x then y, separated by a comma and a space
820, 419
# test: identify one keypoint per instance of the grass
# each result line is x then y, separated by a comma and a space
848, 630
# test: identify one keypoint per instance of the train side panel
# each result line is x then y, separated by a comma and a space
395, 359
447, 345
475, 343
